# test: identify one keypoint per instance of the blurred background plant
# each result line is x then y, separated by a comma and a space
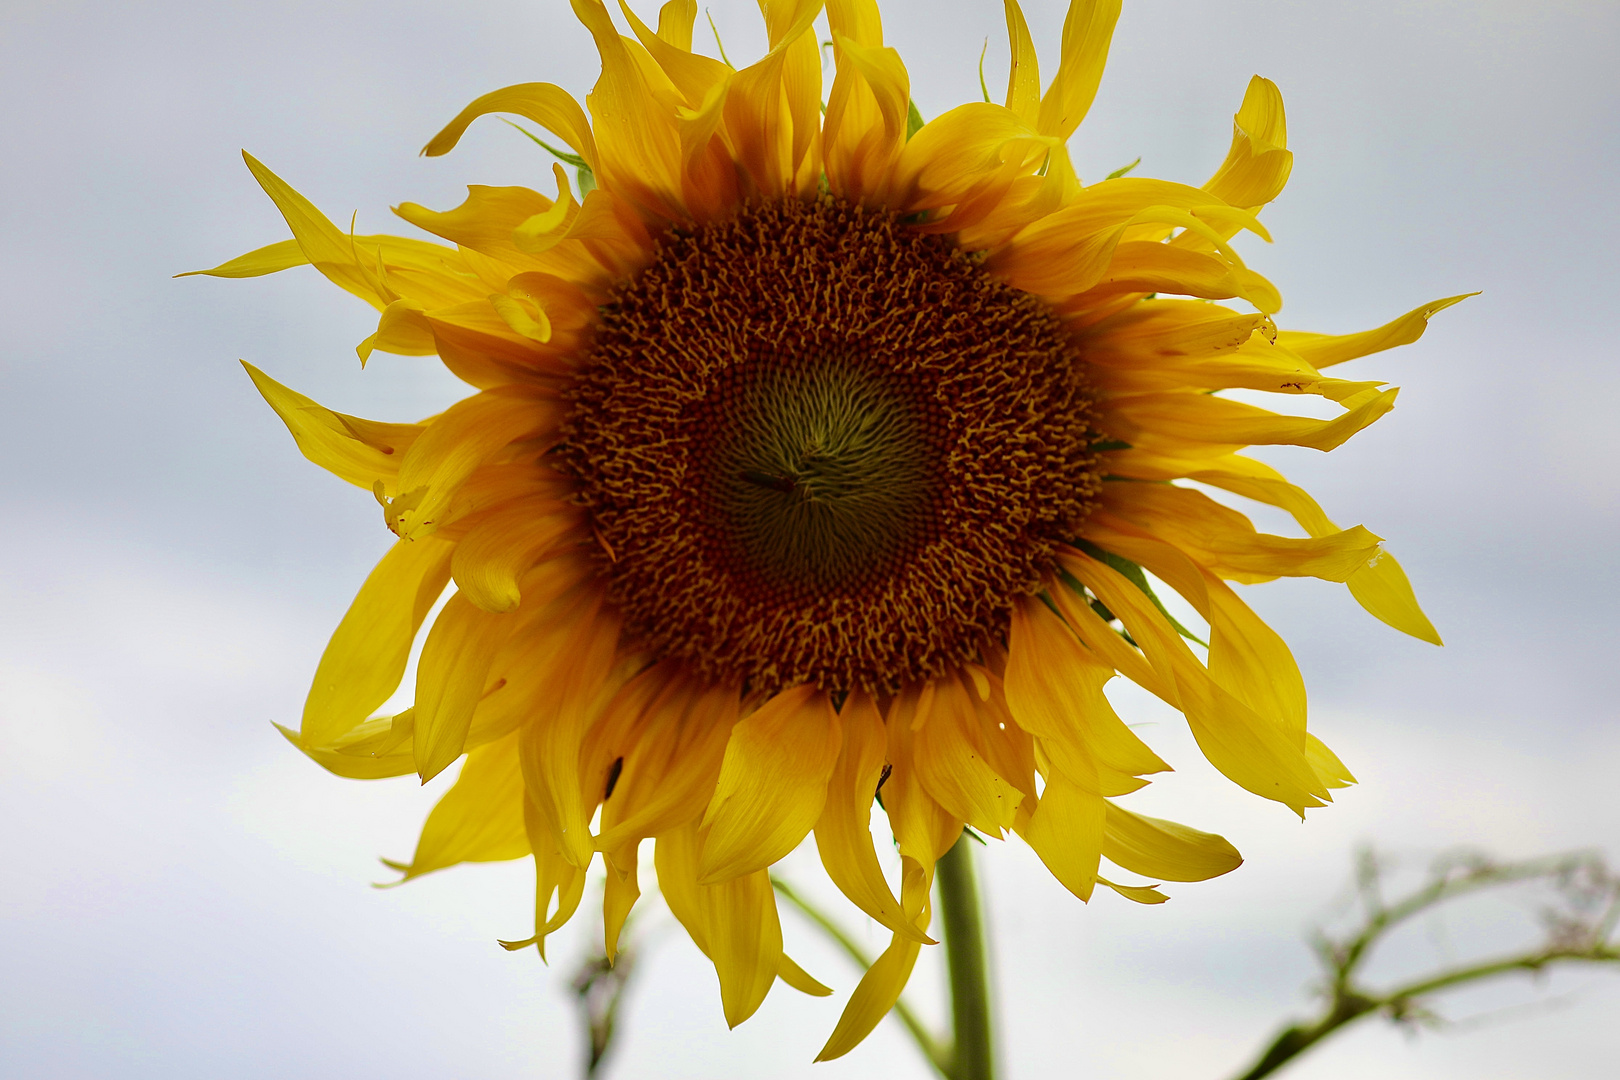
1573, 901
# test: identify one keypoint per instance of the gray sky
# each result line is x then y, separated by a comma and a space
184, 895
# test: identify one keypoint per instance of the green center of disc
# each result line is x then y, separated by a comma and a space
825, 473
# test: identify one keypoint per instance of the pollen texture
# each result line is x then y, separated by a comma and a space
818, 446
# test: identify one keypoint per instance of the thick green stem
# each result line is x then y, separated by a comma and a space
965, 955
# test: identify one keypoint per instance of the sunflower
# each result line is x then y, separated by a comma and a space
820, 456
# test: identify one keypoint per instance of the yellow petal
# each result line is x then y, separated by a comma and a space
1325, 350
363, 452
865, 123
366, 752
1066, 831
582, 665
638, 149
733, 922
458, 441
450, 680
1258, 163
1327, 763
555, 877
923, 830
480, 819
949, 757
843, 832
504, 544
1141, 894
798, 978
1168, 420
1255, 753
1162, 849
1087, 30
773, 783
366, 658
1023, 67
669, 773
270, 259
552, 107
619, 896
1382, 587
872, 998
1055, 690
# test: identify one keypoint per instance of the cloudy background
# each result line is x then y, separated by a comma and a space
182, 894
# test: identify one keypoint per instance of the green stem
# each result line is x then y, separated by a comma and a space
965, 956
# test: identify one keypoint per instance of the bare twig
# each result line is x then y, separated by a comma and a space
599, 985
1578, 923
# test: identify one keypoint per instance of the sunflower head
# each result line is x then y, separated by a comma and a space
816, 449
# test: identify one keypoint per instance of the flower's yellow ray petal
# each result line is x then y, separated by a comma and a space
359, 763
675, 21
619, 896
949, 756
1108, 644
1172, 420
322, 244
638, 148
1070, 251
693, 74
1087, 30
1325, 350
366, 658
669, 774
487, 223
270, 259
733, 922
480, 819
552, 107
1327, 763
554, 876
873, 997
1251, 660
458, 441
1141, 894
1380, 585
1157, 848
583, 680
801, 980
1223, 539
1255, 753
745, 941
923, 830
954, 154
844, 830
1141, 267
363, 452
1066, 831
773, 783
450, 680
636, 706
1055, 691
1383, 589
865, 124
1258, 163
1023, 68
505, 543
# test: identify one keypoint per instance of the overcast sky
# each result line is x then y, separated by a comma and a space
185, 895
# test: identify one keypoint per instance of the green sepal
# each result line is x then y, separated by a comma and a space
1122, 170
583, 174
914, 120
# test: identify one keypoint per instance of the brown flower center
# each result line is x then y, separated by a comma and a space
824, 447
